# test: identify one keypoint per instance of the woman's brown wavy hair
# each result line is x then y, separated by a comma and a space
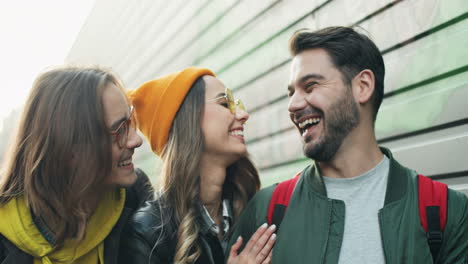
180, 187
62, 149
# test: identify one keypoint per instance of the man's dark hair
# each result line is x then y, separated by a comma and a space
350, 52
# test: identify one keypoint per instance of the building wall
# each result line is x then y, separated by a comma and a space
424, 115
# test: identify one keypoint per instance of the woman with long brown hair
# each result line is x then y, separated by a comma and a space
65, 185
194, 124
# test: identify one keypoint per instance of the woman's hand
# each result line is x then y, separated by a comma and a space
257, 250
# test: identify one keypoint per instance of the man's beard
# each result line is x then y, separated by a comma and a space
340, 120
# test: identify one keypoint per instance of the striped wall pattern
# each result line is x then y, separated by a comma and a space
424, 115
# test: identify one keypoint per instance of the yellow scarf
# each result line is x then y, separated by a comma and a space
18, 227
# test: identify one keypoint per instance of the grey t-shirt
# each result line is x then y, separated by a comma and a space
363, 196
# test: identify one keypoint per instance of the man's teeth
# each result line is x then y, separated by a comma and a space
311, 121
125, 163
306, 124
236, 133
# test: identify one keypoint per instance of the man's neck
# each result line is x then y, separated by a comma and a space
358, 154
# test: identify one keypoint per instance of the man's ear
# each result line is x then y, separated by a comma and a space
364, 85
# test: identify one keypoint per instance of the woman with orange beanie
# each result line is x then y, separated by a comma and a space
194, 124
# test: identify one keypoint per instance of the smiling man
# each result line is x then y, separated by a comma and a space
355, 203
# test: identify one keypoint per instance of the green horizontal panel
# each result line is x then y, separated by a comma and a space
139, 22
152, 35
187, 41
223, 31
232, 25
152, 60
436, 54
408, 19
268, 121
265, 89
284, 147
434, 104
262, 59
260, 31
344, 12
436, 153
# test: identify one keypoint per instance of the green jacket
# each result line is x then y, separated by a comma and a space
312, 228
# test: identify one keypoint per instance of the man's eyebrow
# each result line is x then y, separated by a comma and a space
306, 77
311, 76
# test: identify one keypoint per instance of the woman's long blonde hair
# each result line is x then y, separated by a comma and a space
180, 187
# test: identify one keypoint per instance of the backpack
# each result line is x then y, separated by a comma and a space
432, 199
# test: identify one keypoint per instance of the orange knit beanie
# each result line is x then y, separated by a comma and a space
156, 103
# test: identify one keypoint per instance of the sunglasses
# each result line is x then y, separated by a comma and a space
232, 104
121, 132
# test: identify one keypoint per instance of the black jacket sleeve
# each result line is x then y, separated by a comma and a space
146, 239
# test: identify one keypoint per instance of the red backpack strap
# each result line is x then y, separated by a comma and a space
432, 196
280, 200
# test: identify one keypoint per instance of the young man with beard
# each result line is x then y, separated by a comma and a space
355, 203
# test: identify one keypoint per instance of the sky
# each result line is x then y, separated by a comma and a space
33, 36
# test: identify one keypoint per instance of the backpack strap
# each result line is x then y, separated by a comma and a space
432, 211
280, 200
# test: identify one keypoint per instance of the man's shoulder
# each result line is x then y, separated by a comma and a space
264, 195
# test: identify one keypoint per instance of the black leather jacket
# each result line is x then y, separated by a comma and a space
144, 242
136, 195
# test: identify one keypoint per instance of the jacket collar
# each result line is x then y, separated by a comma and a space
397, 179
207, 224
